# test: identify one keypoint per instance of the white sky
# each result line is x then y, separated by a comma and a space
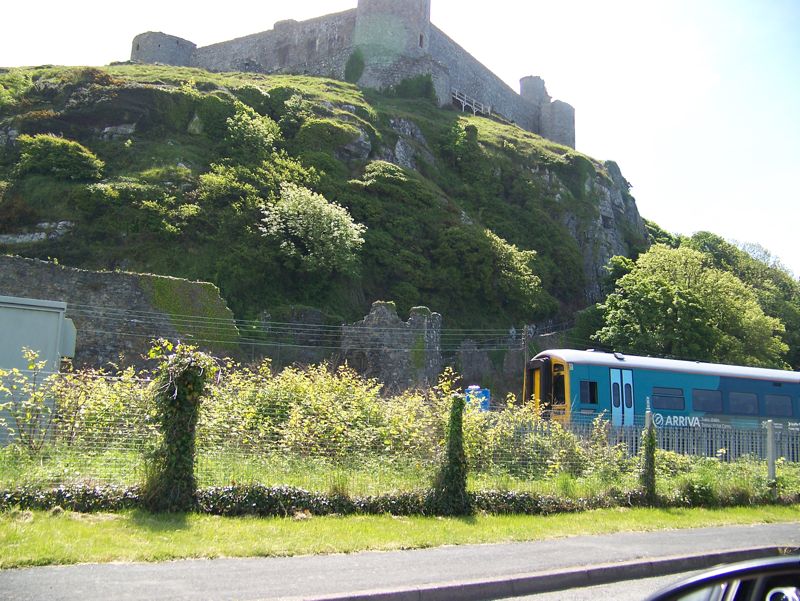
697, 100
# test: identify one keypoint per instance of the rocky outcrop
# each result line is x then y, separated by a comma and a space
603, 217
411, 145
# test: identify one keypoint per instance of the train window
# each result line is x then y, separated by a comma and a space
628, 396
744, 403
707, 400
668, 398
588, 392
559, 390
777, 405
615, 395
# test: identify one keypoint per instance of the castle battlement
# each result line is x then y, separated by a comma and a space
396, 40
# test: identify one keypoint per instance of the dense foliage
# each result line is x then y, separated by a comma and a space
486, 228
204, 164
327, 442
675, 303
700, 298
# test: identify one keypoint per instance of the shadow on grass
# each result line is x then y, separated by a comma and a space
160, 522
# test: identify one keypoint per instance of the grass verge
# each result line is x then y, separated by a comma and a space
43, 538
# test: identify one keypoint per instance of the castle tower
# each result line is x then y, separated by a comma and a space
552, 119
157, 47
389, 29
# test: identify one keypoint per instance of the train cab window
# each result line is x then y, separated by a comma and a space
743, 403
668, 398
588, 392
559, 390
707, 400
777, 405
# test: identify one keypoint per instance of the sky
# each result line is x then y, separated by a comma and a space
698, 101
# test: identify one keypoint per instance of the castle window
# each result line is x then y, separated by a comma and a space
421, 41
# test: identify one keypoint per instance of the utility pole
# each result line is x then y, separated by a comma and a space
525, 331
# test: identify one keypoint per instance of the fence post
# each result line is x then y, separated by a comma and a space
771, 454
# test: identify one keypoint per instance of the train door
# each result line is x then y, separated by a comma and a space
560, 394
622, 406
538, 385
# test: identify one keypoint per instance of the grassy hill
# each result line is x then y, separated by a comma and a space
291, 190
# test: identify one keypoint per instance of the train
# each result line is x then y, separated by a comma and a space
574, 386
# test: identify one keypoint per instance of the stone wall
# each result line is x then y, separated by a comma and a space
318, 46
402, 355
117, 315
468, 75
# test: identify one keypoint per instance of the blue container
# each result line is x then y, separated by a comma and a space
480, 396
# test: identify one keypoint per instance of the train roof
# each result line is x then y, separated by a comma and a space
620, 361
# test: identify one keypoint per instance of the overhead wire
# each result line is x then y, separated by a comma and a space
277, 334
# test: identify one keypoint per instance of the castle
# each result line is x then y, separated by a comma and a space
384, 42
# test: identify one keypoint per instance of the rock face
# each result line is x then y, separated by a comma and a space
400, 354
605, 224
117, 315
411, 145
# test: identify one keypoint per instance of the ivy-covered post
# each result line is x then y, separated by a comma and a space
450, 489
177, 389
647, 476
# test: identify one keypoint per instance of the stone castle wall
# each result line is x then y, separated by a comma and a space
470, 76
318, 46
398, 41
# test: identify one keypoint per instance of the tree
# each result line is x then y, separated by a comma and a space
777, 291
320, 234
674, 303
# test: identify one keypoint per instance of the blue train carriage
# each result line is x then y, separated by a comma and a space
574, 386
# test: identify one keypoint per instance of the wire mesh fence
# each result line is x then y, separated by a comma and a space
331, 432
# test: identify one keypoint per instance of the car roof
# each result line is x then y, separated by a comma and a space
620, 361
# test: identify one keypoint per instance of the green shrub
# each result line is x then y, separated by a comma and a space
325, 134
178, 388
420, 86
321, 235
334, 415
51, 155
214, 110
81, 498
354, 68
450, 487
647, 475
250, 137
256, 98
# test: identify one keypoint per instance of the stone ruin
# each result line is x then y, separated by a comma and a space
401, 354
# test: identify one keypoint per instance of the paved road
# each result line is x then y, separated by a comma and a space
627, 590
455, 573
